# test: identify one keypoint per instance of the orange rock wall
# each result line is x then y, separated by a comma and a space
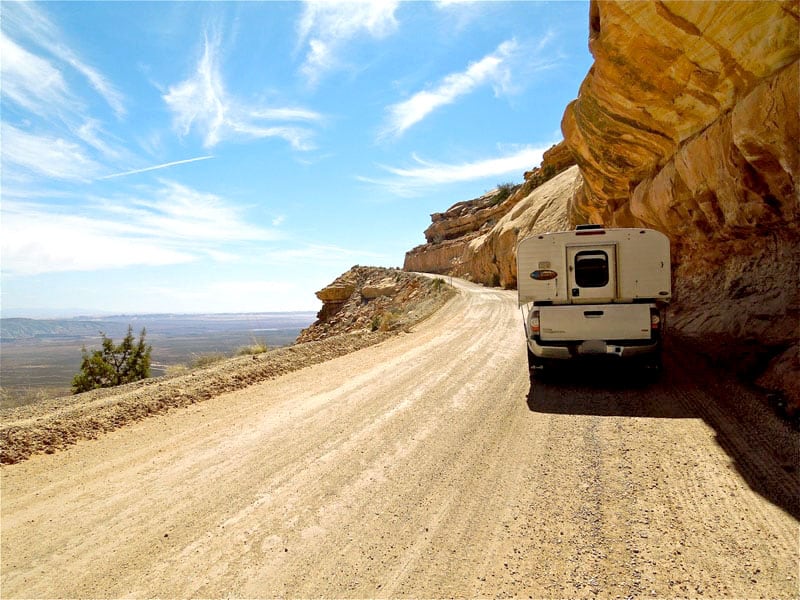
664, 72
688, 122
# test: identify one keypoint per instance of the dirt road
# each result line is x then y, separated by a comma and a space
426, 466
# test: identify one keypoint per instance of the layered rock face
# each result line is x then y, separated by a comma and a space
688, 122
476, 239
664, 72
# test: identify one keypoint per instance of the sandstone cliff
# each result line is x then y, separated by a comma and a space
476, 239
688, 122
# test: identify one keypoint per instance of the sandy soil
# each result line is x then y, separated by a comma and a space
425, 466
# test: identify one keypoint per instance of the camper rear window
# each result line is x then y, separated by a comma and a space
591, 268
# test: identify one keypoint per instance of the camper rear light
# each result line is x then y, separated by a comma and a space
655, 319
535, 324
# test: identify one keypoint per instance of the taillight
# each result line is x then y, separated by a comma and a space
655, 319
535, 323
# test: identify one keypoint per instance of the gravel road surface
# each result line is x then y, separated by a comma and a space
425, 466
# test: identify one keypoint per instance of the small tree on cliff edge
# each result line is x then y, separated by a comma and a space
113, 365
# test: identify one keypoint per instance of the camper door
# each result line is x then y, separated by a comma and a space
592, 273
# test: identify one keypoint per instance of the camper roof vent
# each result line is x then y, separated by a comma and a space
588, 226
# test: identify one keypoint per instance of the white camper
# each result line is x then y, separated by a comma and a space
594, 292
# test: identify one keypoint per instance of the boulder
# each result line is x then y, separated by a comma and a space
384, 287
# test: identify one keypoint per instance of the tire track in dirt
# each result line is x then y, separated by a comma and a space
425, 466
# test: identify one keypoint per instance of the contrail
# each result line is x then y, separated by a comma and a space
156, 167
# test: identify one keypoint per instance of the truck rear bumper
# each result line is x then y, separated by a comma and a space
589, 348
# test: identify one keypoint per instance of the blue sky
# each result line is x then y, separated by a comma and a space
235, 157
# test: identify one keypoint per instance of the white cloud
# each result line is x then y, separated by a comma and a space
37, 241
328, 26
50, 156
26, 20
178, 213
174, 224
91, 133
491, 69
55, 137
201, 102
31, 81
409, 181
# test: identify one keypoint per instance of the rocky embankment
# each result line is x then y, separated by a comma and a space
380, 303
687, 123
375, 299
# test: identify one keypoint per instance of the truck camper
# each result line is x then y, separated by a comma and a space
594, 292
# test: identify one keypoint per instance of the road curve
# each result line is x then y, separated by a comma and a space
427, 466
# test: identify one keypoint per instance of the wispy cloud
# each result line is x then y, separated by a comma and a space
30, 81
54, 135
37, 241
170, 224
327, 27
44, 155
157, 167
491, 69
25, 20
426, 174
201, 102
506, 70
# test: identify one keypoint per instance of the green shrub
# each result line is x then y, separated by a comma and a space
504, 190
113, 365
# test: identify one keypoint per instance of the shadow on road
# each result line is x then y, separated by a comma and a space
604, 390
763, 448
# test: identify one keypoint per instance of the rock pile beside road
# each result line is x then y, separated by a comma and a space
369, 299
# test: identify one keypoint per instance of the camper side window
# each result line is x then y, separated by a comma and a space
591, 268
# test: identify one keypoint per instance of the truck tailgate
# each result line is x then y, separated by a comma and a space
595, 322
